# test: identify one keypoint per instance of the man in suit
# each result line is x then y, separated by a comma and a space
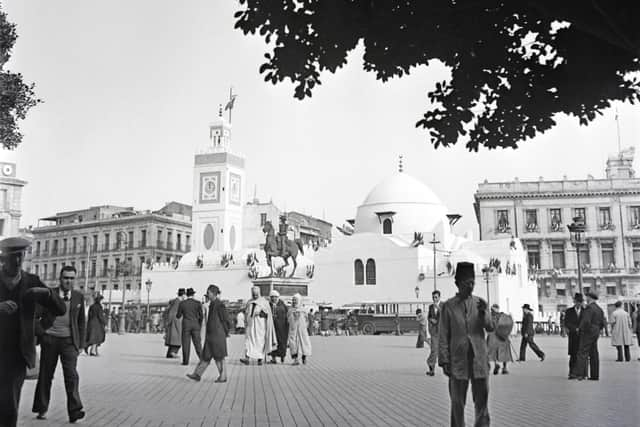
528, 332
61, 337
19, 293
591, 323
462, 348
190, 311
433, 318
571, 322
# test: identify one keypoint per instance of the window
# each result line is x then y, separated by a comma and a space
557, 253
37, 248
46, 246
37, 269
95, 242
635, 217
143, 239
128, 286
93, 268
106, 241
54, 270
159, 242
608, 258
636, 254
105, 267
358, 268
533, 255
611, 290
1, 227
585, 258
130, 241
169, 239
581, 213
141, 261
605, 218
263, 219
555, 216
44, 271
371, 272
532, 220
386, 226
188, 242
74, 244
118, 267
84, 243
179, 242
54, 250
502, 219
83, 268
64, 246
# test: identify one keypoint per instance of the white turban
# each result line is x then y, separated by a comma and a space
274, 293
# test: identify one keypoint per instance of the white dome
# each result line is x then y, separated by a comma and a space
401, 188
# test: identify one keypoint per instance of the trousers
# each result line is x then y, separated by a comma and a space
190, 334
13, 370
588, 350
458, 395
51, 349
432, 360
532, 344
627, 353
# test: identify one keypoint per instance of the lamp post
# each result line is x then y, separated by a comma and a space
123, 267
486, 271
417, 290
148, 284
576, 229
434, 242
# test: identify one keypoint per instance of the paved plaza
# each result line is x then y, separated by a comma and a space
359, 381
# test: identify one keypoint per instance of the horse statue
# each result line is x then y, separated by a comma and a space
285, 250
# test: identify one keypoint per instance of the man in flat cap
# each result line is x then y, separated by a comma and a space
173, 326
462, 349
571, 321
190, 310
281, 325
591, 323
19, 293
528, 331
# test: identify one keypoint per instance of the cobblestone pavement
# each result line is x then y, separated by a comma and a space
359, 381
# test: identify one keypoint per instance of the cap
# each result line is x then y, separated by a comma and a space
578, 297
214, 289
190, 292
181, 292
12, 245
496, 306
592, 294
527, 306
274, 293
464, 270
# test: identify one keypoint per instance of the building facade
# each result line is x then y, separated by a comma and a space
10, 200
538, 214
108, 245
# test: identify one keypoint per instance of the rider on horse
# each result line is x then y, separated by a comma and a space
282, 238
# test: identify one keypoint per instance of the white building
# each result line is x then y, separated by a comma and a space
10, 198
388, 257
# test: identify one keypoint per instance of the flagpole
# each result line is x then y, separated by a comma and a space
230, 100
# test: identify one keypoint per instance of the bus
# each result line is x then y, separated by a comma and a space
380, 317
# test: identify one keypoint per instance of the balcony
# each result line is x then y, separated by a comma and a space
556, 227
532, 228
608, 226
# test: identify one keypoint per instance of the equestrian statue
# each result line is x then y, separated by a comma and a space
280, 246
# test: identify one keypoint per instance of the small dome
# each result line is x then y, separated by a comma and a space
401, 188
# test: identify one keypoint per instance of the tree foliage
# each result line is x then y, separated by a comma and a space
16, 97
514, 64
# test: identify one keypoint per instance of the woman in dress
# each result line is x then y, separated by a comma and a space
499, 345
298, 341
96, 323
215, 344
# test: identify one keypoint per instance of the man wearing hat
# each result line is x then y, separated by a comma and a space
571, 321
173, 326
190, 310
19, 293
462, 348
281, 324
527, 330
591, 323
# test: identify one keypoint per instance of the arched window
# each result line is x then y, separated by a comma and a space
358, 268
386, 226
371, 272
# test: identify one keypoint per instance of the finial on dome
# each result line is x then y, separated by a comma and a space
400, 168
220, 111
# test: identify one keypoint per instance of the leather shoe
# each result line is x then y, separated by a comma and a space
194, 377
78, 415
542, 358
42, 416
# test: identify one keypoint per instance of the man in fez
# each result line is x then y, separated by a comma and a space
19, 293
571, 321
591, 323
463, 347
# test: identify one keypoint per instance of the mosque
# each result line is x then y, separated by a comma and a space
399, 248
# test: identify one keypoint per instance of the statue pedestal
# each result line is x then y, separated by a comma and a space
287, 287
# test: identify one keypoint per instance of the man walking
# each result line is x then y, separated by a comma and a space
528, 332
190, 310
433, 318
462, 348
173, 326
591, 323
571, 321
281, 324
61, 337
260, 336
19, 293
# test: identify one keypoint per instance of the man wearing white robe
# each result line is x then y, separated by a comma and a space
260, 335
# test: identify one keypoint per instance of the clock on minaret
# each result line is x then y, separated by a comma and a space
210, 187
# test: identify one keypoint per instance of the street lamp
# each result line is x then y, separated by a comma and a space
417, 290
124, 268
576, 229
148, 284
486, 271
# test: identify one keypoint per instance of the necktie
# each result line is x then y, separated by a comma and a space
66, 295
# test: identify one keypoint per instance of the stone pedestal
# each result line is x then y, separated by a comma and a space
287, 287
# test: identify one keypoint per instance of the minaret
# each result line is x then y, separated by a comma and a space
218, 193
10, 198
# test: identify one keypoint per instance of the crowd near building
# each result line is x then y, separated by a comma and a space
539, 212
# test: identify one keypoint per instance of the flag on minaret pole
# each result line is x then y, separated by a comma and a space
232, 99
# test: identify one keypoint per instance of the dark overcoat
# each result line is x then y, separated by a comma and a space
218, 326
95, 324
281, 324
571, 322
172, 325
527, 325
461, 330
591, 323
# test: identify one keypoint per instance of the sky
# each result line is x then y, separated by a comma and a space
129, 90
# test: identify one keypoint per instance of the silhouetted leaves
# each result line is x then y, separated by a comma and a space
513, 65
